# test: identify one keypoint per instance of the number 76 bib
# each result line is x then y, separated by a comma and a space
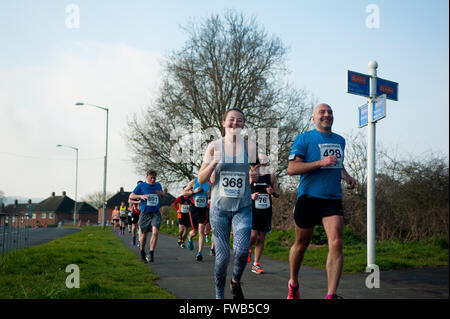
332, 149
232, 184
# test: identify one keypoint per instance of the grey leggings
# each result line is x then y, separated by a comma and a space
221, 224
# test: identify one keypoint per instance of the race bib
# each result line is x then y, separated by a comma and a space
129, 214
200, 201
232, 184
153, 200
332, 149
184, 208
262, 202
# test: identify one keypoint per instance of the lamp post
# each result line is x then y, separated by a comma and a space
106, 159
76, 183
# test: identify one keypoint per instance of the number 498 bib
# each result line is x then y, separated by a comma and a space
332, 149
232, 184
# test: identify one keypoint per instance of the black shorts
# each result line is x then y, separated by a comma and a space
309, 211
198, 216
134, 218
262, 221
123, 218
184, 220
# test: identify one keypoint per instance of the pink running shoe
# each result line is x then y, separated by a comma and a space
293, 291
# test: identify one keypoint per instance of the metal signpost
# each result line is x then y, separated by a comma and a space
377, 90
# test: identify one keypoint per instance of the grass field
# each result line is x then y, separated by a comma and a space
40, 272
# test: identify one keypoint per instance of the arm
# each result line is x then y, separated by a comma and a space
188, 190
347, 178
135, 196
210, 160
298, 166
273, 190
160, 193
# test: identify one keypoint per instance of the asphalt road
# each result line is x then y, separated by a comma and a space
187, 278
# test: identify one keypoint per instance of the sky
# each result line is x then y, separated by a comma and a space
109, 53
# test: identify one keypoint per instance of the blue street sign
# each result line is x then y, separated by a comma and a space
358, 83
379, 111
363, 115
387, 87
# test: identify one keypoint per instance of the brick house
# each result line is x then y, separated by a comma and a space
10, 214
122, 196
53, 210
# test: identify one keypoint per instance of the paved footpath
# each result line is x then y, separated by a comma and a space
186, 278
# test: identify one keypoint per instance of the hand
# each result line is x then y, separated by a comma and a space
217, 156
197, 190
329, 161
350, 182
253, 176
255, 196
269, 190
144, 197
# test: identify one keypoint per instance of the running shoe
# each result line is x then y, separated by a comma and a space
183, 245
236, 290
199, 256
190, 244
150, 258
207, 239
133, 242
138, 244
212, 252
143, 257
333, 296
179, 243
257, 269
293, 292
249, 259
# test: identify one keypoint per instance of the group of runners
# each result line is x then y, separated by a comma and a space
233, 193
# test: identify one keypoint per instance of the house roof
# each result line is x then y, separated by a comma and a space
85, 208
57, 204
15, 209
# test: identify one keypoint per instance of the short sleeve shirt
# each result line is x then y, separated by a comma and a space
153, 203
324, 182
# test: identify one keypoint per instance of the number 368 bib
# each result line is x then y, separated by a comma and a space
332, 149
232, 184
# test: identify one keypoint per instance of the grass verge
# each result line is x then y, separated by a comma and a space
107, 270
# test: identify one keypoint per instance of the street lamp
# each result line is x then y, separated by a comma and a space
76, 183
106, 159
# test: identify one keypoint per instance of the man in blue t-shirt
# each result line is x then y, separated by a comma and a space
318, 157
149, 193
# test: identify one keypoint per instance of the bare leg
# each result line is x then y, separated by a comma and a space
302, 239
333, 226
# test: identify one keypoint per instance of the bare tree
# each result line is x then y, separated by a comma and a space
228, 62
96, 199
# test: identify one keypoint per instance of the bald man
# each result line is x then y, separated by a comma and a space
318, 157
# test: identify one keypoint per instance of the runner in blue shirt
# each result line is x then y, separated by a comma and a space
149, 193
197, 213
318, 157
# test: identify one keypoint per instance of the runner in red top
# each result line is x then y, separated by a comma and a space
135, 212
182, 205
